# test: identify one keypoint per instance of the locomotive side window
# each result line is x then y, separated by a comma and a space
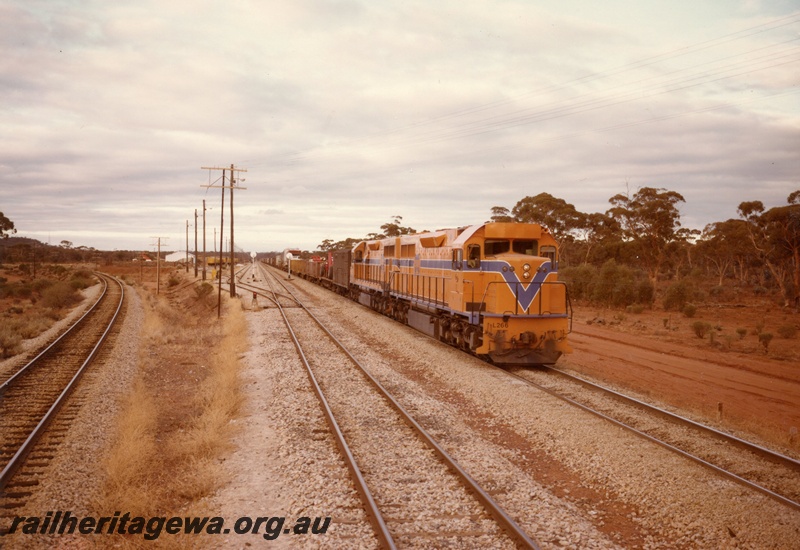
359, 257
527, 247
494, 247
388, 251
549, 252
474, 255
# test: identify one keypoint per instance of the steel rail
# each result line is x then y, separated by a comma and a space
500, 516
770, 454
374, 514
725, 473
63, 335
258, 290
13, 465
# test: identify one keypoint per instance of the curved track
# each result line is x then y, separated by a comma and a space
399, 470
31, 399
751, 465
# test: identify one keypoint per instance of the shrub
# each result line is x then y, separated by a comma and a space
79, 283
741, 332
10, 341
677, 296
787, 331
40, 284
580, 280
615, 285
22, 290
203, 291
645, 291
765, 338
33, 326
173, 281
717, 291
689, 310
60, 295
612, 285
701, 328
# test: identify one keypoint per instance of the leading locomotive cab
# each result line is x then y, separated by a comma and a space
509, 286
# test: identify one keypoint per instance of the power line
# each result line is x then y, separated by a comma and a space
487, 118
645, 62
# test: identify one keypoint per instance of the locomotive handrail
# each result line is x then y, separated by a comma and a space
406, 287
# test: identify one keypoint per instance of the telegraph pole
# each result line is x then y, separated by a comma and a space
195, 243
158, 263
233, 279
219, 266
158, 268
205, 263
187, 246
232, 180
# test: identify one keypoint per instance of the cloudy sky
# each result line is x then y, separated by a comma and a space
346, 113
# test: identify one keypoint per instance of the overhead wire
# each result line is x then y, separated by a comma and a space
648, 61
527, 116
405, 136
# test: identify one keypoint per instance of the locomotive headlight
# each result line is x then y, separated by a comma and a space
526, 267
527, 274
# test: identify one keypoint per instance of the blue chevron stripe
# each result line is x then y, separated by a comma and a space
527, 291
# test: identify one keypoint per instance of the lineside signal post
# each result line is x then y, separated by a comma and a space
231, 186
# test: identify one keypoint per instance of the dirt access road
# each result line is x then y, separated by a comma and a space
749, 395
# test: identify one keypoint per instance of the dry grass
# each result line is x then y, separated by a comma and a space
177, 422
133, 454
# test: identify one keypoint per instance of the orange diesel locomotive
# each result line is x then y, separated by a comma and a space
490, 289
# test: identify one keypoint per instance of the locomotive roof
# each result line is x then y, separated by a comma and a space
459, 236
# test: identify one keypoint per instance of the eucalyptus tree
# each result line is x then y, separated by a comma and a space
775, 237
725, 248
651, 220
6, 227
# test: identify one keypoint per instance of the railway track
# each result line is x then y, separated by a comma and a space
414, 493
749, 464
31, 426
755, 467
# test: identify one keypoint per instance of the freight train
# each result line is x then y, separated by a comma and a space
490, 289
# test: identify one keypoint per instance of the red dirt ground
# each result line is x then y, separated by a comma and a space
729, 382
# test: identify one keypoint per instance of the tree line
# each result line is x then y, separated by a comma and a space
619, 256
624, 255
642, 233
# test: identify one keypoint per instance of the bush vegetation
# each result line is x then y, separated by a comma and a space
30, 306
10, 341
701, 328
612, 285
764, 339
60, 295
